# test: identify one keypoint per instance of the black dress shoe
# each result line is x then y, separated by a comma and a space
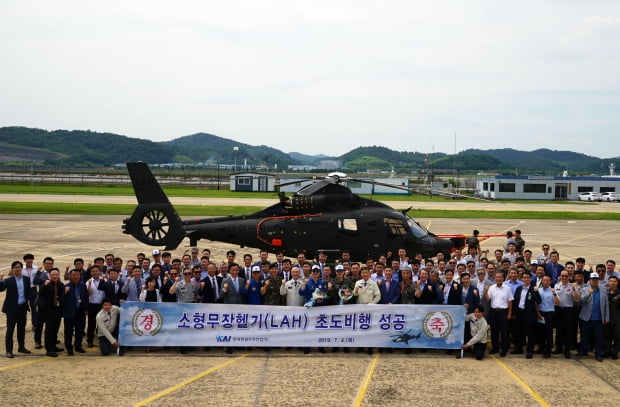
10, 355
306, 351
90, 345
23, 350
38, 345
546, 355
502, 354
52, 354
57, 349
567, 355
493, 352
529, 356
516, 352
80, 350
599, 358
614, 356
69, 353
556, 352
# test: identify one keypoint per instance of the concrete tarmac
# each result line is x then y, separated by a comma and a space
287, 377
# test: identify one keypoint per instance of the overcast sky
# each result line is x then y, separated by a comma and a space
320, 76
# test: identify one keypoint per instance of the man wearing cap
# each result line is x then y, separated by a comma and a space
310, 284
290, 288
594, 313
255, 284
337, 283
156, 258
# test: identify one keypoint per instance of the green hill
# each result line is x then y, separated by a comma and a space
83, 148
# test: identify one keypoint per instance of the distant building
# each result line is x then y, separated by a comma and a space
543, 187
356, 187
252, 182
330, 164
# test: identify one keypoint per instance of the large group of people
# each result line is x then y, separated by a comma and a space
532, 304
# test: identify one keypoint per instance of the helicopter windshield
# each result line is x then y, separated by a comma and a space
418, 230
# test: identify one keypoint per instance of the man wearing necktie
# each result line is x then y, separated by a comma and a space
290, 289
15, 307
286, 269
113, 288
51, 294
209, 290
233, 287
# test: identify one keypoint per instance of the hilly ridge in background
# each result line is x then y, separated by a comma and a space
84, 148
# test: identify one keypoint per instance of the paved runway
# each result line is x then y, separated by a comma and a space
65, 237
439, 203
283, 377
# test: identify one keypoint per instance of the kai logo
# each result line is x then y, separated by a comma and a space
223, 338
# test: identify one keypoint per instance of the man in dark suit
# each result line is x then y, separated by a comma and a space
210, 286
428, 291
233, 290
452, 294
525, 303
74, 311
233, 287
390, 289
51, 294
112, 288
469, 294
15, 307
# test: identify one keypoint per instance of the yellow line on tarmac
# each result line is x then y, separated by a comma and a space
586, 236
30, 362
188, 381
366, 382
540, 400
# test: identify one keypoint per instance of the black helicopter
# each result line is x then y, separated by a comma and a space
324, 216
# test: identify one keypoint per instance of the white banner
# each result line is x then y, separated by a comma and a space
394, 326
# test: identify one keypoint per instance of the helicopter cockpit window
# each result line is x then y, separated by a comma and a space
395, 227
347, 225
417, 230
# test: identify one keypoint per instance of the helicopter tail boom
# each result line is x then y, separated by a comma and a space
154, 221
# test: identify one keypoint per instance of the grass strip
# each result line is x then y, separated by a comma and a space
208, 210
